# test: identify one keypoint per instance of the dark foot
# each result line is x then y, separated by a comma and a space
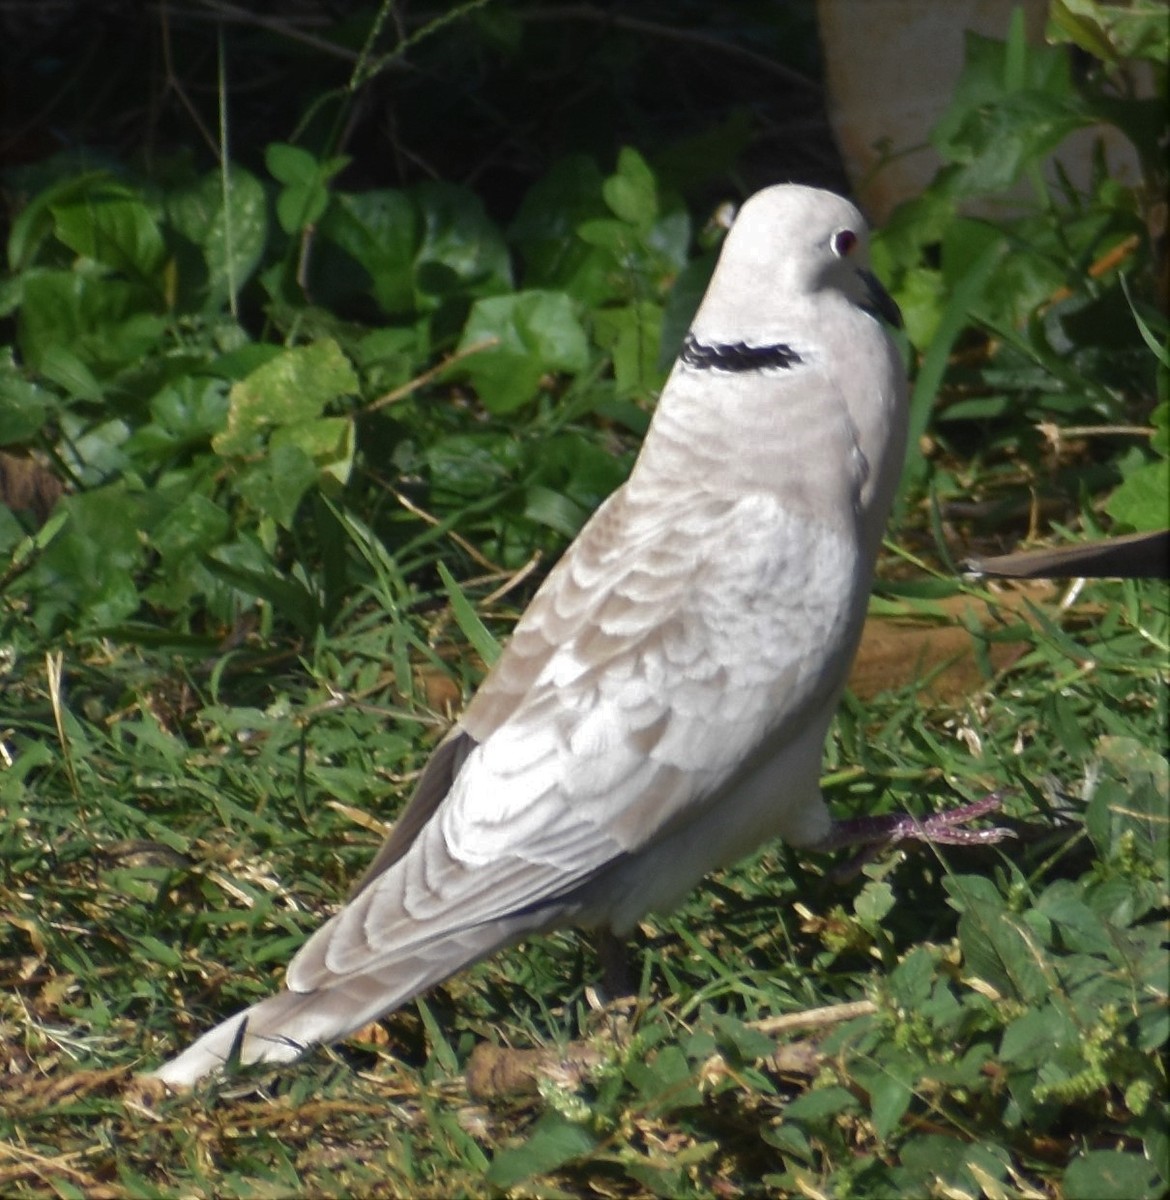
945, 828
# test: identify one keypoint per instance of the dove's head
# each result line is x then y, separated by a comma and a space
789, 250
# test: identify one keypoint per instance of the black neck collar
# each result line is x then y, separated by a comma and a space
736, 356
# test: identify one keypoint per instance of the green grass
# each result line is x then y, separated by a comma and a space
172, 831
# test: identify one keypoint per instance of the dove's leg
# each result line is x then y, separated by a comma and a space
874, 834
613, 955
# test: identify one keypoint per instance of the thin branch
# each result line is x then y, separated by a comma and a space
400, 393
586, 12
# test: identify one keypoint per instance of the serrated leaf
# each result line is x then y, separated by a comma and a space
998, 948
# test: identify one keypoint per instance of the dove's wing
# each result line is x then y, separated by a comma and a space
636, 685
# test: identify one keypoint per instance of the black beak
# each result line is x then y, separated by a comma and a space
881, 303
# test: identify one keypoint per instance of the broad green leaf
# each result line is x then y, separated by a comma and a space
1139, 501
1111, 1175
305, 196
381, 230
524, 336
294, 387
34, 224
890, 1092
328, 441
748, 1043
545, 232
109, 223
461, 251
632, 192
290, 164
24, 407
103, 322
276, 485
231, 230
911, 980
89, 566
998, 947
193, 526
1112, 32
874, 902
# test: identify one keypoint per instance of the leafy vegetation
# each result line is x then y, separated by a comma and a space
317, 444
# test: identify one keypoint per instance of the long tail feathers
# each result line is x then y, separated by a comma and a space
282, 1027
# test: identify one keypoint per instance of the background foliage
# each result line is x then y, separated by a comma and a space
330, 308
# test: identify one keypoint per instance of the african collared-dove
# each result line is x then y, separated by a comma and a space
662, 706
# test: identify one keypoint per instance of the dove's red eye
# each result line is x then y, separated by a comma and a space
843, 242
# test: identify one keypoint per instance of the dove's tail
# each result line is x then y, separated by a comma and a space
328, 1006
277, 1029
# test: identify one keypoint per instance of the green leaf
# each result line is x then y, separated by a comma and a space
632, 334
192, 526
33, 226
276, 486
290, 164
525, 336
24, 407
461, 251
554, 1141
109, 223
1131, 796
1139, 501
102, 322
1111, 1175
820, 1103
293, 387
328, 442
632, 193
1112, 32
290, 598
890, 1093
911, 980
665, 1080
555, 510
305, 196
231, 231
998, 948
749, 1044
873, 903
89, 566
545, 232
382, 231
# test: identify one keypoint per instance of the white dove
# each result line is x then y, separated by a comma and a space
662, 706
